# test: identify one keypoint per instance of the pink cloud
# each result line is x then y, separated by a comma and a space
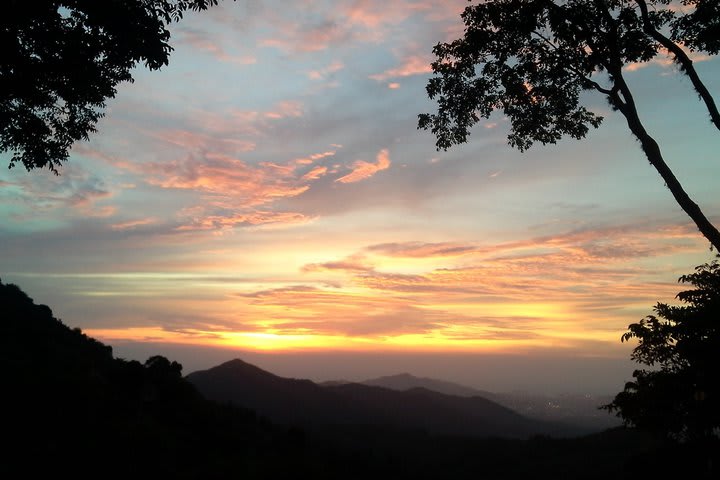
362, 170
665, 60
295, 38
315, 173
200, 41
316, 156
192, 140
412, 65
373, 14
322, 73
232, 192
132, 224
285, 109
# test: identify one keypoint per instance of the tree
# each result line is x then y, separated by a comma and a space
679, 397
62, 60
532, 59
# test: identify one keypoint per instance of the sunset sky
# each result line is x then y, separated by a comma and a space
268, 191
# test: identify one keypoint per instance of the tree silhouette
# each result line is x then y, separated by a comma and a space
679, 397
62, 60
532, 59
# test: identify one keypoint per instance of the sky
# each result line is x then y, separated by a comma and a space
268, 196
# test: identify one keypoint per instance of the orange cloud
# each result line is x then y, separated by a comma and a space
413, 65
362, 170
234, 193
316, 156
354, 263
315, 173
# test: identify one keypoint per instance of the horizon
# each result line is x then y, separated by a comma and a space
267, 195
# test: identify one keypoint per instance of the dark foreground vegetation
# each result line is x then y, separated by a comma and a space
71, 409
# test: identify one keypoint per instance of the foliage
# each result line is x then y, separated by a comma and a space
532, 59
62, 60
680, 396
699, 29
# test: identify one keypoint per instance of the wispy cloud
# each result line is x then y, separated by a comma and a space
421, 249
362, 170
413, 65
665, 60
133, 224
324, 72
301, 38
204, 42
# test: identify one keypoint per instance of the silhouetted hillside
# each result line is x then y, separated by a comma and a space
70, 408
305, 403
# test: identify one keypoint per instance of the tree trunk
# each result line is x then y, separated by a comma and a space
654, 155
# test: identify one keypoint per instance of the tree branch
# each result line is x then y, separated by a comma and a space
684, 60
577, 72
654, 156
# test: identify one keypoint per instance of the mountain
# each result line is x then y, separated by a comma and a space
571, 409
405, 381
305, 403
282, 400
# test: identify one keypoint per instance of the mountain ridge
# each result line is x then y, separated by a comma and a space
574, 409
303, 402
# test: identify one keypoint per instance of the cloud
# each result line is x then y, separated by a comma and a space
362, 170
586, 276
324, 72
132, 224
421, 249
200, 40
204, 221
354, 263
285, 109
42, 193
665, 60
315, 173
373, 14
193, 140
412, 65
296, 37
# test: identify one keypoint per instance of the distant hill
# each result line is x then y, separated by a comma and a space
405, 381
305, 403
575, 409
